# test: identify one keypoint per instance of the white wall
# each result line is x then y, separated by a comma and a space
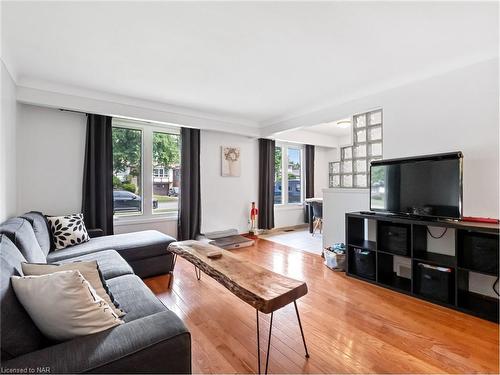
322, 157
336, 202
304, 136
453, 111
225, 201
54, 95
8, 117
288, 216
50, 153
457, 111
50, 157
167, 226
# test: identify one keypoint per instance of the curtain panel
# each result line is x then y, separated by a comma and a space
97, 200
309, 161
189, 222
309, 176
266, 183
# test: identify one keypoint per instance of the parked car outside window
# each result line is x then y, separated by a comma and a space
127, 201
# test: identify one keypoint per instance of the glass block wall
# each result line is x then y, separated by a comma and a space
352, 171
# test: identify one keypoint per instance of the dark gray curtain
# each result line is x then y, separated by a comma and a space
309, 175
309, 161
266, 183
97, 201
190, 196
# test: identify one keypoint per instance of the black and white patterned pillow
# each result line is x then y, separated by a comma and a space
68, 230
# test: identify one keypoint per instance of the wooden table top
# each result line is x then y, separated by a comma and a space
265, 290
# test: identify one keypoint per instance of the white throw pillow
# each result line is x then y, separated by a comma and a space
89, 270
68, 230
63, 305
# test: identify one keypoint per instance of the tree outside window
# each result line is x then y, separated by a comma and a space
166, 157
127, 170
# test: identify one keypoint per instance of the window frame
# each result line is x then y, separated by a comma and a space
147, 130
284, 174
171, 131
132, 215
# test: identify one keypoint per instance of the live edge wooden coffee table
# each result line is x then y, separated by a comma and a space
264, 290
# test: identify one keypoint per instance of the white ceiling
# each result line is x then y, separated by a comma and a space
257, 61
331, 128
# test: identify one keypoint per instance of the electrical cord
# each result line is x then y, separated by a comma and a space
437, 237
495, 290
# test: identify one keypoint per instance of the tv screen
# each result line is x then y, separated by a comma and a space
422, 186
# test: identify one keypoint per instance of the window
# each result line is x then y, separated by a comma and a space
127, 171
159, 172
354, 166
294, 174
288, 172
278, 160
141, 149
166, 175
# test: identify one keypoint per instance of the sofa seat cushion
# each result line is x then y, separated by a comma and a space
110, 263
41, 228
134, 297
21, 233
19, 333
131, 246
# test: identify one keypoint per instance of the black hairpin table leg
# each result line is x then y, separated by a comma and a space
300, 326
269, 341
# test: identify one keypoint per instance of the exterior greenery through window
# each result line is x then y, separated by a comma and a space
288, 167
166, 161
352, 171
143, 149
127, 170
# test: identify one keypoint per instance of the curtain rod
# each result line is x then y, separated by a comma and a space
70, 110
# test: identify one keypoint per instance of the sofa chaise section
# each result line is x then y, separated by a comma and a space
145, 251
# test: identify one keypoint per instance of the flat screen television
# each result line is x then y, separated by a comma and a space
429, 186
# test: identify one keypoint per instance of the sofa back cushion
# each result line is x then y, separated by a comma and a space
21, 233
19, 333
41, 228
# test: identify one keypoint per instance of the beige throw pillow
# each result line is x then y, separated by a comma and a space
63, 305
89, 270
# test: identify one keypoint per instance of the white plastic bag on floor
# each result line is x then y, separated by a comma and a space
334, 260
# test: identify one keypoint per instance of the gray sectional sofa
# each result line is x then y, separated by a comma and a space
153, 339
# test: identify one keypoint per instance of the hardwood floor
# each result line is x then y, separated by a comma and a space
350, 326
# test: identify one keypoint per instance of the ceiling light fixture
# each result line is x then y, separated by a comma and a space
344, 124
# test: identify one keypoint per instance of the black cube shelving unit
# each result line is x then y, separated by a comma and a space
387, 276
438, 278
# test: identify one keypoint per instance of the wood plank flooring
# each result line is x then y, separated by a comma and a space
350, 326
